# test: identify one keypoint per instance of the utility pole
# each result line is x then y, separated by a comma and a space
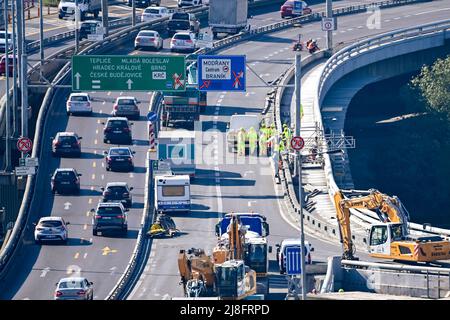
298, 115
15, 101
41, 32
77, 17
7, 122
329, 7
133, 17
105, 17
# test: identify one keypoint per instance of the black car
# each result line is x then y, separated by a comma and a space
66, 143
118, 192
119, 158
117, 130
144, 3
65, 180
88, 27
109, 216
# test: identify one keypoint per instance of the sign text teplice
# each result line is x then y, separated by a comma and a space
128, 73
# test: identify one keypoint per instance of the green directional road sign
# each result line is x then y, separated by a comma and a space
128, 73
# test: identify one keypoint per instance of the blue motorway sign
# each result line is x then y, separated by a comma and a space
298, 7
293, 262
152, 116
221, 73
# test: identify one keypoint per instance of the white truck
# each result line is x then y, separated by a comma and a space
177, 148
67, 8
236, 123
228, 16
172, 193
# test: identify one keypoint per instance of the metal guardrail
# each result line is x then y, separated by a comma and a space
350, 52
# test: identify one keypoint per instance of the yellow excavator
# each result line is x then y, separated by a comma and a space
389, 239
224, 275
201, 277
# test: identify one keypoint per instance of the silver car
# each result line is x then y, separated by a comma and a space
74, 288
51, 229
79, 103
148, 39
183, 41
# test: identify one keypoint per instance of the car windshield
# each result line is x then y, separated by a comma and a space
73, 284
117, 124
119, 152
182, 37
65, 175
67, 139
109, 211
50, 224
78, 98
117, 189
126, 101
147, 34
180, 16
153, 11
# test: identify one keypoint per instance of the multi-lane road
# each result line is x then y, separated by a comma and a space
224, 183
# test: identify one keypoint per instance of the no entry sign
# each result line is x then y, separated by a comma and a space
24, 144
297, 143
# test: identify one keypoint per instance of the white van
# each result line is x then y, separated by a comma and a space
172, 193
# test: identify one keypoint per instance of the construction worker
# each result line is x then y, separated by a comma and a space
281, 146
271, 132
252, 140
241, 137
263, 144
287, 135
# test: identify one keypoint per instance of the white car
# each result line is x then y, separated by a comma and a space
281, 252
79, 103
188, 3
74, 288
154, 13
51, 229
183, 41
148, 39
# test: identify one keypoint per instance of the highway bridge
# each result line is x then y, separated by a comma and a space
219, 187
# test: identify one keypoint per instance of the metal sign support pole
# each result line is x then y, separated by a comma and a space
329, 7
7, 106
77, 18
133, 16
105, 18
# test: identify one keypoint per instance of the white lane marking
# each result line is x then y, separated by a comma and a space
76, 256
343, 31
101, 111
131, 175
103, 177
335, 33
94, 164
85, 227
247, 94
96, 131
219, 195
426, 12
407, 16
248, 172
109, 93
121, 92
103, 164
166, 296
387, 20
95, 141
67, 205
44, 272
90, 240
92, 188
103, 102
90, 200
219, 101
350, 29
397, 18
98, 121
359, 27
87, 213
250, 202
85, 255
222, 96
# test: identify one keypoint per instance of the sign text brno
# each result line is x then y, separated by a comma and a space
128, 73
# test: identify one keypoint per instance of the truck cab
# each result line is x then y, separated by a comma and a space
67, 8
172, 193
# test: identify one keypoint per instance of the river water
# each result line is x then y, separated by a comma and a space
401, 150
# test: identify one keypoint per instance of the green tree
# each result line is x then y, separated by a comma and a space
433, 87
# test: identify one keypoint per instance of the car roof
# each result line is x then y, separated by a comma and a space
125, 97
183, 32
156, 8
295, 242
142, 31
50, 219
118, 148
79, 94
70, 279
64, 169
116, 184
110, 204
117, 118
66, 133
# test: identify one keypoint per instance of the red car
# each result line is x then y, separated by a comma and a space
10, 64
288, 6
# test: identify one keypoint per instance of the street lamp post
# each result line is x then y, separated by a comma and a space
77, 17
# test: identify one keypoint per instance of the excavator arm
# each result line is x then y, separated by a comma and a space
343, 217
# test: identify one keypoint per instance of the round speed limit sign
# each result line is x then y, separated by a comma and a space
297, 143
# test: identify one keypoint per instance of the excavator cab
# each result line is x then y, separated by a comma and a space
382, 235
256, 255
234, 280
